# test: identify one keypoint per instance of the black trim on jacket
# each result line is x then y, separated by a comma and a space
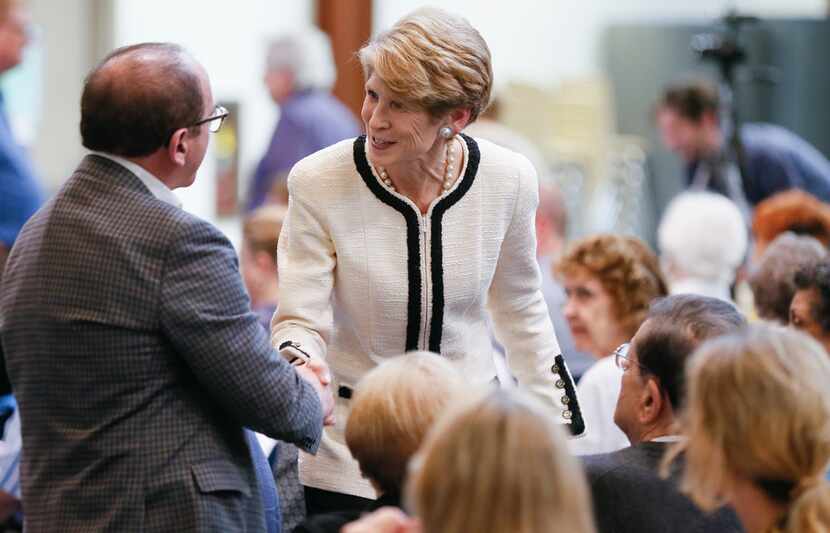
577, 425
437, 244
412, 218
413, 263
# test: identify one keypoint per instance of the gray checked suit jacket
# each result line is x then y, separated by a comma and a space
136, 361
630, 497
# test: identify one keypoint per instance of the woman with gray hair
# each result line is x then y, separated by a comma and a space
703, 240
411, 237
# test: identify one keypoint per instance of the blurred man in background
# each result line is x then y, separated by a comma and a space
773, 158
299, 73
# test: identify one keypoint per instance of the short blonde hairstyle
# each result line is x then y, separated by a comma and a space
499, 464
261, 229
433, 59
759, 409
393, 407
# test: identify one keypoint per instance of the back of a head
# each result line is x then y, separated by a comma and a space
704, 235
307, 54
393, 408
758, 410
773, 279
691, 100
677, 325
793, 210
261, 229
138, 96
499, 465
816, 277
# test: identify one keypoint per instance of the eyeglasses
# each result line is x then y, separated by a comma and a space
621, 358
215, 120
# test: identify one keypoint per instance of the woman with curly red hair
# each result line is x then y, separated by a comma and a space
609, 280
796, 211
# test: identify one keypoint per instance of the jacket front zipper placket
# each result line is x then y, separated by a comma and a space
423, 344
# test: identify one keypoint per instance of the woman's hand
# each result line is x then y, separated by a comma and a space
384, 520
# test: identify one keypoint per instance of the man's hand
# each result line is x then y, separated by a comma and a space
384, 520
316, 372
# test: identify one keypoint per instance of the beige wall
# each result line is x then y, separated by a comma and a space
72, 43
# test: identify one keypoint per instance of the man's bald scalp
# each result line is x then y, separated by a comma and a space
138, 96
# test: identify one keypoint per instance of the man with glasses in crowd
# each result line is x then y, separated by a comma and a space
130, 341
629, 494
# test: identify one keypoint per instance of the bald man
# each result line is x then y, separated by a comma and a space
131, 345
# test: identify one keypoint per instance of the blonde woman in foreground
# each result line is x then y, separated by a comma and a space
496, 465
759, 430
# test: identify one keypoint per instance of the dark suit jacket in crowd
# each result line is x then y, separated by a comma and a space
630, 497
334, 521
136, 361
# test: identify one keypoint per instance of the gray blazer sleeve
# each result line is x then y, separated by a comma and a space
205, 312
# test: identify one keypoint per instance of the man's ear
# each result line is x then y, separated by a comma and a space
178, 146
651, 401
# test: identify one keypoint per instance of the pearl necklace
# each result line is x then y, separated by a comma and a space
449, 167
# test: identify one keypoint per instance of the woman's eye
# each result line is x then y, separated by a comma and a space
396, 106
372, 94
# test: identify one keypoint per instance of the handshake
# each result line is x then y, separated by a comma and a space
316, 372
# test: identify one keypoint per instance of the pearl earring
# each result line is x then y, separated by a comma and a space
446, 132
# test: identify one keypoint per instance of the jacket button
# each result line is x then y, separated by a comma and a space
555, 369
566, 400
567, 415
560, 384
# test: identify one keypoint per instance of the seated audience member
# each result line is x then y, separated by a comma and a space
810, 307
795, 211
703, 239
258, 259
756, 429
258, 265
772, 278
392, 409
496, 465
628, 492
610, 280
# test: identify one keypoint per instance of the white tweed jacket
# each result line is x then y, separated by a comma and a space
364, 276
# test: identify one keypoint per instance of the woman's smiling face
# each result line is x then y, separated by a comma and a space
396, 131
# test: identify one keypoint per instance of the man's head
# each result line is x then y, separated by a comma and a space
14, 34
687, 116
149, 103
810, 306
299, 61
653, 378
771, 278
551, 220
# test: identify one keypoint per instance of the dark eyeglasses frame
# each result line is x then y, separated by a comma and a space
219, 113
622, 353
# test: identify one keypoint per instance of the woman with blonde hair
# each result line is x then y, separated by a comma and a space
413, 237
495, 465
393, 408
758, 430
